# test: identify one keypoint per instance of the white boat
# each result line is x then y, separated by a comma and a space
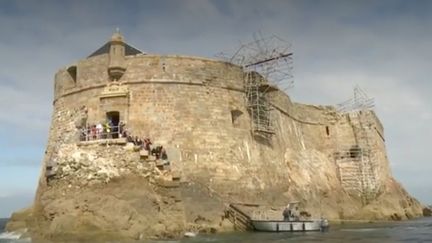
290, 226
292, 221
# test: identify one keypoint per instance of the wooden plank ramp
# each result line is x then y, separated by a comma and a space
240, 219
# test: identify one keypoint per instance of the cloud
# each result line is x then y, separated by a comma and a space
381, 45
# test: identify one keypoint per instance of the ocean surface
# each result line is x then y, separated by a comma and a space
419, 230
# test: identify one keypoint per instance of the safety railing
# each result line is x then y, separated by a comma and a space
102, 132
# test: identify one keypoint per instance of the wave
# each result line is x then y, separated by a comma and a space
12, 237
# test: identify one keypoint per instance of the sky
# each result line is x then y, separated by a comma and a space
382, 46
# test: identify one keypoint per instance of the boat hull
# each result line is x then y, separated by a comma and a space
287, 226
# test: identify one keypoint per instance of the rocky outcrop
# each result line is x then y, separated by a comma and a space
102, 192
20, 220
427, 211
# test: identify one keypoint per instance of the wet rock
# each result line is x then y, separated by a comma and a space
226, 226
396, 217
427, 212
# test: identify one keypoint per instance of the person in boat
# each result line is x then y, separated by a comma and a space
295, 213
287, 213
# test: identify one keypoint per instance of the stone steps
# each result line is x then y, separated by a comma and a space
167, 177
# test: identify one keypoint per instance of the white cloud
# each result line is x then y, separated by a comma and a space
381, 45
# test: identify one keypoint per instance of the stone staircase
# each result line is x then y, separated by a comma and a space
167, 177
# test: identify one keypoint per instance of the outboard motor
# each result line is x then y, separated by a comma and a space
324, 225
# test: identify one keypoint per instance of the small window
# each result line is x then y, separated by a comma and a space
235, 117
327, 130
355, 152
72, 70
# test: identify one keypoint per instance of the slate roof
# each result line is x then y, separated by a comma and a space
129, 50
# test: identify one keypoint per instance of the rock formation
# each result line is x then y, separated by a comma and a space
333, 162
427, 211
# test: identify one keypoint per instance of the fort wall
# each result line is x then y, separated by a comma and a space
186, 104
197, 109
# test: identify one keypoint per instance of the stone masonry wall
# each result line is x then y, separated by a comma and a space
187, 104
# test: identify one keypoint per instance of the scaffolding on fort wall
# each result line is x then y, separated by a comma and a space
267, 66
359, 102
356, 163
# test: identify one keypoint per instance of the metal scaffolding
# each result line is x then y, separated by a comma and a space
267, 66
356, 163
258, 105
360, 102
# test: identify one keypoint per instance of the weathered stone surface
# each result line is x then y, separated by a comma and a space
103, 188
20, 221
427, 211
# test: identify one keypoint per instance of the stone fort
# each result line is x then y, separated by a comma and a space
225, 129
198, 108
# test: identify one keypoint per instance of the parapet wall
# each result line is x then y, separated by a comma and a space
92, 73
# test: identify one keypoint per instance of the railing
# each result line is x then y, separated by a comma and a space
104, 132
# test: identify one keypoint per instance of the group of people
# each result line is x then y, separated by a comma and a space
102, 130
107, 129
291, 213
158, 151
137, 141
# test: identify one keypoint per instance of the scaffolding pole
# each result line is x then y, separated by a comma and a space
357, 170
267, 66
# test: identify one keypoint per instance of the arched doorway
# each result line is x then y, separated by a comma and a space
113, 117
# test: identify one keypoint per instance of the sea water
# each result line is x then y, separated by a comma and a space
419, 230
7, 237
